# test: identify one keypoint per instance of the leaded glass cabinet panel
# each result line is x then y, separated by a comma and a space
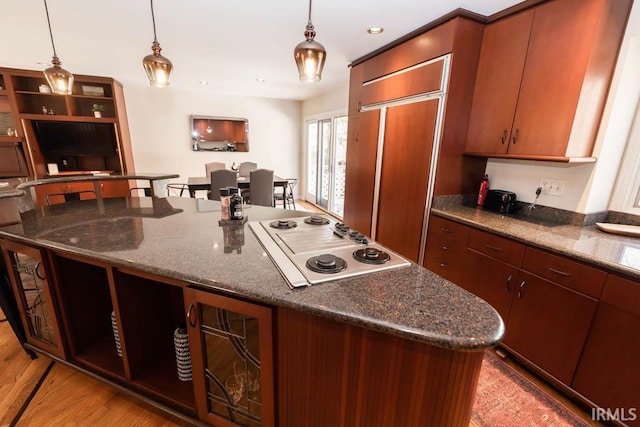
28, 273
231, 346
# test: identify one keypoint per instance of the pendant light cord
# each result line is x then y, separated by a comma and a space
310, 11
153, 19
50, 32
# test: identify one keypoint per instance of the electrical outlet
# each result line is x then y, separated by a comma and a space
552, 187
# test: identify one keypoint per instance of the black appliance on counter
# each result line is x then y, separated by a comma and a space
500, 201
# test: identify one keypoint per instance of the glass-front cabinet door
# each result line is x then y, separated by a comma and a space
232, 359
28, 274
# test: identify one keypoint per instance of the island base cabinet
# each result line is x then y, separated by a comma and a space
148, 314
28, 273
232, 358
334, 374
86, 307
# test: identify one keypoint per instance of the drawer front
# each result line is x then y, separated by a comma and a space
497, 247
445, 257
451, 230
115, 188
622, 293
569, 273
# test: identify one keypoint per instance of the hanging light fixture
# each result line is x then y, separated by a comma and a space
310, 55
60, 80
158, 67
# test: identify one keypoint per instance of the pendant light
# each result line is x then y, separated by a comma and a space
158, 67
310, 55
60, 80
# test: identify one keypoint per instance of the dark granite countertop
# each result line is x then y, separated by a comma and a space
12, 190
97, 176
612, 252
180, 238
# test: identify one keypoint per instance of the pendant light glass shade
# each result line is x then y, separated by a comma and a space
310, 55
60, 80
158, 67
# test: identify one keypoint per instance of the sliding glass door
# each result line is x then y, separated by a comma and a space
326, 162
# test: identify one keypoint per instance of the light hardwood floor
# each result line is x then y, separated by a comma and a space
65, 396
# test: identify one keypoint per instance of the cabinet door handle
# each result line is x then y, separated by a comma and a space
504, 136
493, 248
359, 106
357, 138
443, 265
37, 271
521, 289
189, 319
508, 288
562, 273
445, 230
515, 136
444, 248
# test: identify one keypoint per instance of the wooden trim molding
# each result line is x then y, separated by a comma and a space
458, 13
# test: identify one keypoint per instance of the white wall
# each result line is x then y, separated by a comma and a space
335, 100
160, 130
588, 187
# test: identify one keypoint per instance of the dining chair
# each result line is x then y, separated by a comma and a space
221, 178
213, 166
210, 167
289, 198
176, 188
261, 187
246, 167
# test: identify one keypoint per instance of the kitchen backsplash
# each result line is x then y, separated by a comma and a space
541, 214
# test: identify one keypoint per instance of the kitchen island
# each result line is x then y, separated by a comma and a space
402, 346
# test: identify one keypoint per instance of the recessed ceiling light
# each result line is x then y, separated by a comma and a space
375, 30
203, 83
260, 80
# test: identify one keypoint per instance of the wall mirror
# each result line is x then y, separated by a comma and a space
219, 133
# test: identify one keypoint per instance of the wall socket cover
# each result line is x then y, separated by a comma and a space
552, 187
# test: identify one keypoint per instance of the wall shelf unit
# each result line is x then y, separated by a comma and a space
25, 100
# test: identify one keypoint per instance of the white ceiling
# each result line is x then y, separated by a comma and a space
227, 43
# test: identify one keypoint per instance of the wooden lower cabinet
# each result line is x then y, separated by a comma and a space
548, 325
446, 246
51, 194
232, 357
572, 321
334, 374
490, 279
29, 275
608, 372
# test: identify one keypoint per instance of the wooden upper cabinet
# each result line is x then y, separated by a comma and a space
570, 58
418, 79
502, 57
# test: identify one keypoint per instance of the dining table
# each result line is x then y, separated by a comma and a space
195, 183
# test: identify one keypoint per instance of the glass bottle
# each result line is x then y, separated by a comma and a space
235, 205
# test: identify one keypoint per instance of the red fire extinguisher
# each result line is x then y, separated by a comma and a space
484, 186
